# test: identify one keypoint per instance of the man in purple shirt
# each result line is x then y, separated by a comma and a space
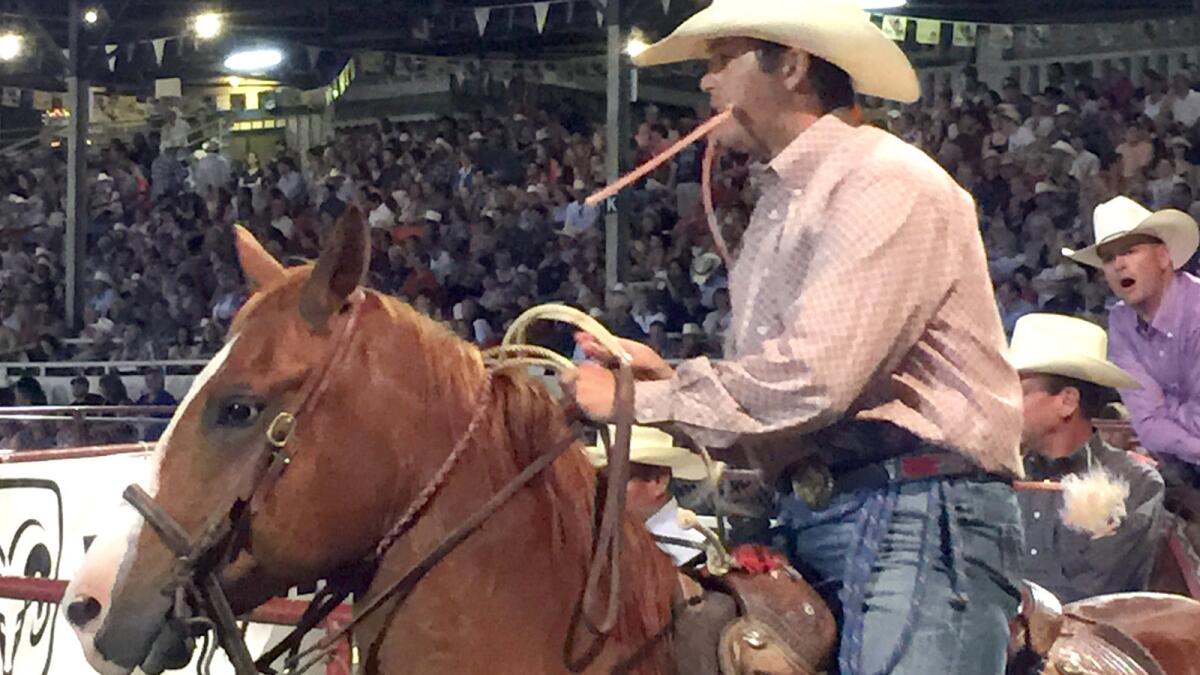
1154, 332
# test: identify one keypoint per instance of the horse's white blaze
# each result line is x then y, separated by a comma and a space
111, 553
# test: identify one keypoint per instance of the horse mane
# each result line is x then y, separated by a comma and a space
523, 422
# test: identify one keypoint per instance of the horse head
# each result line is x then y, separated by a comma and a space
323, 514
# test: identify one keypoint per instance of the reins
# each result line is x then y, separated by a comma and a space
197, 562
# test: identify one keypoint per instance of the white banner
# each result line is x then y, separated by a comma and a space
50, 512
482, 14
540, 10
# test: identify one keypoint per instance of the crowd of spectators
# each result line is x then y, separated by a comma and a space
1038, 166
476, 218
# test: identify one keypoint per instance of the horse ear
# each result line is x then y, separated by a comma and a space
260, 267
340, 269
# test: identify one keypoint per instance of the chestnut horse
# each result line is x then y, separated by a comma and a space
388, 416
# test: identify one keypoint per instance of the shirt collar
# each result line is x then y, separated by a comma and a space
1170, 313
800, 159
1041, 468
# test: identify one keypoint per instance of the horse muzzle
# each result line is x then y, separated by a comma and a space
130, 638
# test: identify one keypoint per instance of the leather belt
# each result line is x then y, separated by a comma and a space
815, 483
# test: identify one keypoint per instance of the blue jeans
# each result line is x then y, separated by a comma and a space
942, 584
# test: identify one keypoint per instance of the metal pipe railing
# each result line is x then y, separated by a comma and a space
66, 410
82, 452
275, 612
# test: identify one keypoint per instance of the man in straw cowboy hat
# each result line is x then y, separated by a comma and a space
654, 462
1067, 381
1154, 332
864, 359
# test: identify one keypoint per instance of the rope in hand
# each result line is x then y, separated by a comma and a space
606, 554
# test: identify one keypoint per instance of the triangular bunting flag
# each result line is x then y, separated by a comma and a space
600, 19
111, 49
112, 62
895, 27
1002, 36
929, 31
314, 53
540, 10
482, 14
1037, 36
965, 34
666, 6
159, 45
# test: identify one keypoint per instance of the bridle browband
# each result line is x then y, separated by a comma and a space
199, 563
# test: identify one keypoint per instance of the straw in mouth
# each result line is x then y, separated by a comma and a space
706, 175
659, 159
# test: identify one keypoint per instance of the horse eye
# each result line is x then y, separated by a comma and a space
238, 413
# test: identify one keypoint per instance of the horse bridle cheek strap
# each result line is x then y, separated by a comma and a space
283, 426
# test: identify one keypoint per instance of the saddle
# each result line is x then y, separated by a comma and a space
1106, 635
743, 623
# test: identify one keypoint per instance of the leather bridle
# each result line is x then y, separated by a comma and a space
200, 600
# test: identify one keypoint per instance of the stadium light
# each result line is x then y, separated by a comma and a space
10, 46
207, 25
91, 15
253, 60
636, 46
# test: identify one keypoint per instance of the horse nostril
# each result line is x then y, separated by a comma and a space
82, 611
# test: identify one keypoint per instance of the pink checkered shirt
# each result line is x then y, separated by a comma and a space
861, 293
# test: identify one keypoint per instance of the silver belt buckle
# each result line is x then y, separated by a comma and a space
812, 483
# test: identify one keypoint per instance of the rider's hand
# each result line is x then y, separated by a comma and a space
594, 389
646, 364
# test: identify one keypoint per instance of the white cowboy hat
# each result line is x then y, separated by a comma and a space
1063, 109
1065, 148
1123, 217
648, 445
1009, 111
433, 216
103, 277
1054, 344
838, 31
692, 329
704, 266
1043, 187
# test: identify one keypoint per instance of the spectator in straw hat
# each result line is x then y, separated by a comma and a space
1154, 332
1067, 381
655, 462
818, 348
